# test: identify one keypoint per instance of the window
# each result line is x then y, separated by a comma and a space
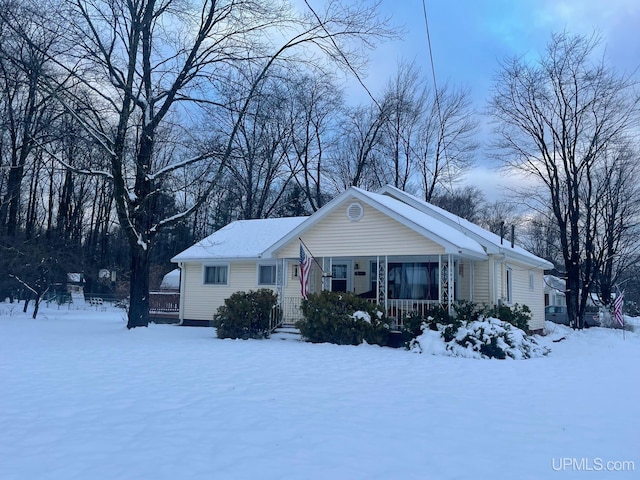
267, 274
532, 283
409, 280
509, 285
216, 274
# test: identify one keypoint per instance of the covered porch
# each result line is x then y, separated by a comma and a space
400, 284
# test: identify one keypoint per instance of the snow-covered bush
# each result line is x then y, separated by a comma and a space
342, 318
246, 314
608, 320
484, 338
517, 316
436, 318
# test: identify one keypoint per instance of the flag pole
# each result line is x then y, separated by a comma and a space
312, 256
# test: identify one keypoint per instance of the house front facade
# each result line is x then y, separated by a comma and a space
389, 247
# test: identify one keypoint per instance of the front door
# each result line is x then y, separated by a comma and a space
339, 277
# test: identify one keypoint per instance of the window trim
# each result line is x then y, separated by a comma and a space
430, 264
217, 264
509, 284
267, 264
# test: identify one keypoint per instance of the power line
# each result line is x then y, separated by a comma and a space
437, 93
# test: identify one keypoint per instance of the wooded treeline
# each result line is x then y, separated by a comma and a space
296, 144
130, 129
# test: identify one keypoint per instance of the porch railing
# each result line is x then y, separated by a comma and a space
397, 309
164, 302
288, 312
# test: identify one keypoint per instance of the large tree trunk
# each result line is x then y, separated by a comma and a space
139, 288
573, 297
12, 198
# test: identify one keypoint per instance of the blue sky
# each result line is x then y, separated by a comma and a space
469, 37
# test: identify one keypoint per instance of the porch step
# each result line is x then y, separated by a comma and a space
286, 333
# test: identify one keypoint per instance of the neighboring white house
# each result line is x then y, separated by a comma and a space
171, 281
401, 252
554, 291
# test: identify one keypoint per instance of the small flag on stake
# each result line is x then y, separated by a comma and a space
617, 308
304, 271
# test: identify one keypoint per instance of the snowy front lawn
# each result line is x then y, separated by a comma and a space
83, 397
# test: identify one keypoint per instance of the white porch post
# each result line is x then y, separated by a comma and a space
447, 282
451, 284
377, 279
441, 281
472, 276
381, 288
280, 279
326, 273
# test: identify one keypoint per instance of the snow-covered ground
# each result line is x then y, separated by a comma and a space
81, 397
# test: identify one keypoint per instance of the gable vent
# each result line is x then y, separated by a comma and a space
355, 212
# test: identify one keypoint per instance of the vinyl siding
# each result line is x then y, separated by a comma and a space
481, 283
201, 301
463, 279
522, 294
374, 234
361, 283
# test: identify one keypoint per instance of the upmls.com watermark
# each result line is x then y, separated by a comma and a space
596, 464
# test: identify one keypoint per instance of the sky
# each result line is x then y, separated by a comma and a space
470, 37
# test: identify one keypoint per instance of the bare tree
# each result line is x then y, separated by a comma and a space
540, 236
26, 109
413, 137
499, 217
149, 62
555, 119
258, 170
617, 218
357, 153
316, 105
405, 98
467, 202
447, 145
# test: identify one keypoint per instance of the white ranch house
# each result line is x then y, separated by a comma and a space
391, 247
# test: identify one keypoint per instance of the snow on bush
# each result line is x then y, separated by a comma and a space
485, 338
360, 315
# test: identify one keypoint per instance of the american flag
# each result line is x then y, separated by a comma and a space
617, 308
305, 269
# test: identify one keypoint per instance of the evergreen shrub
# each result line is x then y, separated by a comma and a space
342, 318
435, 318
517, 316
438, 319
246, 314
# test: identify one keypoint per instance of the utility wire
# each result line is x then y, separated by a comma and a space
437, 94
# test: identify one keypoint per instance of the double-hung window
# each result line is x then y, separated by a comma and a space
216, 274
267, 274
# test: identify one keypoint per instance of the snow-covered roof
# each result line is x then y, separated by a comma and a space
551, 282
171, 280
240, 239
454, 241
492, 242
251, 239
73, 277
433, 228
